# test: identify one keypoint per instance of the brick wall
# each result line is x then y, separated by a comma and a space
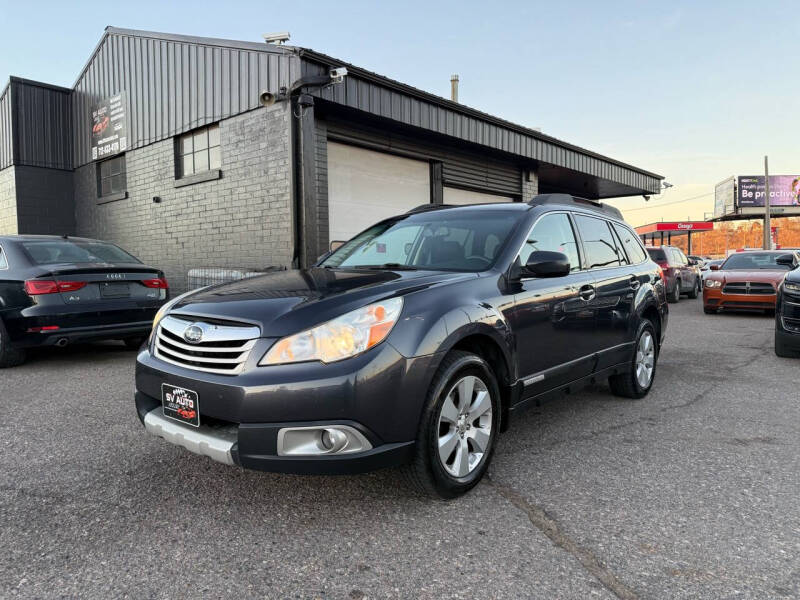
530, 184
8, 202
242, 220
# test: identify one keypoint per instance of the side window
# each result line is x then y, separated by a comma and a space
3, 261
553, 232
630, 242
601, 249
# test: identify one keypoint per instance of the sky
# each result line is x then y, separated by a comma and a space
695, 91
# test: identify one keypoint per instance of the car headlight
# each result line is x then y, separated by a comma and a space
713, 283
341, 338
792, 288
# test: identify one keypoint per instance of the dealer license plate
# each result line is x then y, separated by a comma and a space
180, 404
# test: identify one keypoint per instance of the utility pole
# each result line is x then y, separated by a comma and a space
767, 223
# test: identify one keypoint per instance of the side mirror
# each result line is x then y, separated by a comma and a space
787, 260
714, 267
692, 262
543, 263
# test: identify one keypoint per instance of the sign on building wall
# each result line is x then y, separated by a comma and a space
784, 190
109, 127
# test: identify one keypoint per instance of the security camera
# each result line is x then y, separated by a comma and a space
337, 74
276, 38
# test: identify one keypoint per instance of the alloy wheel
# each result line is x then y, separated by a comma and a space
645, 359
465, 426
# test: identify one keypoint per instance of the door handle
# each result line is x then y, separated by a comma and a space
635, 283
587, 293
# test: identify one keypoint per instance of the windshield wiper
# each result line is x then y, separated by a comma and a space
393, 266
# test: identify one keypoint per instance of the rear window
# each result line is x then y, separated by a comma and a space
657, 254
49, 252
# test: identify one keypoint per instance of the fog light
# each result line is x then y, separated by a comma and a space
333, 440
321, 440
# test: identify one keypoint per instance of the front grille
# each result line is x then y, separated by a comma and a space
754, 288
223, 349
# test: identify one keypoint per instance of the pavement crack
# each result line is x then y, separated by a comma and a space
550, 527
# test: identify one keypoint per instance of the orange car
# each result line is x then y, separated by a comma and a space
747, 280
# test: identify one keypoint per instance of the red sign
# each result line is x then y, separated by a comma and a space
676, 226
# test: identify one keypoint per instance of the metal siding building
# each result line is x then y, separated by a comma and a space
274, 196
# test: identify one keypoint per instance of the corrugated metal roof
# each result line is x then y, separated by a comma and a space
177, 82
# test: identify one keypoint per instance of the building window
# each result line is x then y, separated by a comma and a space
198, 151
111, 177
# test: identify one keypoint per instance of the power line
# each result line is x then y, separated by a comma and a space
668, 203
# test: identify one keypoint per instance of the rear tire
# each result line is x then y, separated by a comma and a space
448, 461
675, 295
695, 289
9, 356
636, 382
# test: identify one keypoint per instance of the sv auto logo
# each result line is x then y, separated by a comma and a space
115, 275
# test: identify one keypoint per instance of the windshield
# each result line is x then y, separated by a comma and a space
462, 240
48, 252
753, 260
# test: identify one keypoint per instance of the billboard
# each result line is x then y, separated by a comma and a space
109, 127
784, 190
725, 197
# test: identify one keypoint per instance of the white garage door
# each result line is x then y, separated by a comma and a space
365, 187
456, 196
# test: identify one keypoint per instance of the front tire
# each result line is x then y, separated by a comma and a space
134, 343
9, 356
636, 383
458, 429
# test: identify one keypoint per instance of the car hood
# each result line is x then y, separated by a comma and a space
756, 275
794, 276
285, 302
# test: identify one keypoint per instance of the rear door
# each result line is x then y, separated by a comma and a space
614, 283
553, 327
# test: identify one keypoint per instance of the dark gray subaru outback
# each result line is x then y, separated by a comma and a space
412, 344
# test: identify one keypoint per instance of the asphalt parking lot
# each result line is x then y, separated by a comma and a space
689, 493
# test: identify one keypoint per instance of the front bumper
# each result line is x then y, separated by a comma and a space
714, 298
242, 445
380, 394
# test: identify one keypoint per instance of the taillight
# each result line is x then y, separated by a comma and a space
70, 286
39, 287
159, 283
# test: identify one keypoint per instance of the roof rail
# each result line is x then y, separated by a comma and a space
427, 207
567, 199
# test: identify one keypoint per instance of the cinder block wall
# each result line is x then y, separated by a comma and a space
8, 202
241, 221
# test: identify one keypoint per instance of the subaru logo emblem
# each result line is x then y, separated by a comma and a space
193, 334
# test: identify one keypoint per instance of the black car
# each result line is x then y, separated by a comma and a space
787, 312
57, 290
413, 343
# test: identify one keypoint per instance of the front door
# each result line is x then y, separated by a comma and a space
551, 317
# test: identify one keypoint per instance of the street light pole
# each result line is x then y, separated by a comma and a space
767, 223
